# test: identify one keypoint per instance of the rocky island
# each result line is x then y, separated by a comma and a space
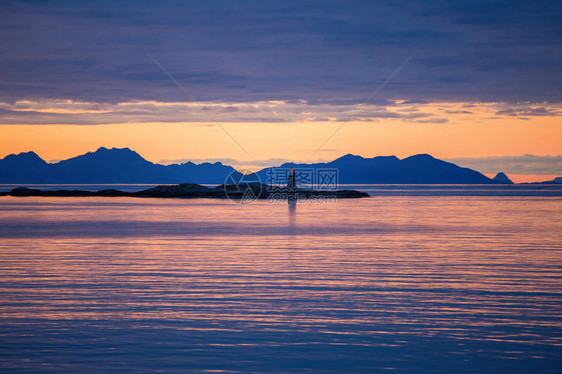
192, 190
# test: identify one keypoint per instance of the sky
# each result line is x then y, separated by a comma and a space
261, 82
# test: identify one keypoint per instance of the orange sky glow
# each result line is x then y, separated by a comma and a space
446, 130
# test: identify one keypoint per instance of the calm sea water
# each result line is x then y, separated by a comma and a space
387, 283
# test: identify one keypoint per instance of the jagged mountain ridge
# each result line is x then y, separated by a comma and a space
122, 165
116, 165
417, 169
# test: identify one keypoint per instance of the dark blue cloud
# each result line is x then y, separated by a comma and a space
323, 52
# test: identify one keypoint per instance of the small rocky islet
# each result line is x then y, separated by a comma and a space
192, 190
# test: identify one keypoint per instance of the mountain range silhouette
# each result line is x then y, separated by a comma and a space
116, 165
417, 169
122, 165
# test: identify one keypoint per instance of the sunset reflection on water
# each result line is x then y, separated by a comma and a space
394, 282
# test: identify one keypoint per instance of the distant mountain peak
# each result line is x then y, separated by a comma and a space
347, 158
104, 149
30, 153
501, 177
115, 152
25, 157
24, 154
350, 156
107, 158
421, 156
